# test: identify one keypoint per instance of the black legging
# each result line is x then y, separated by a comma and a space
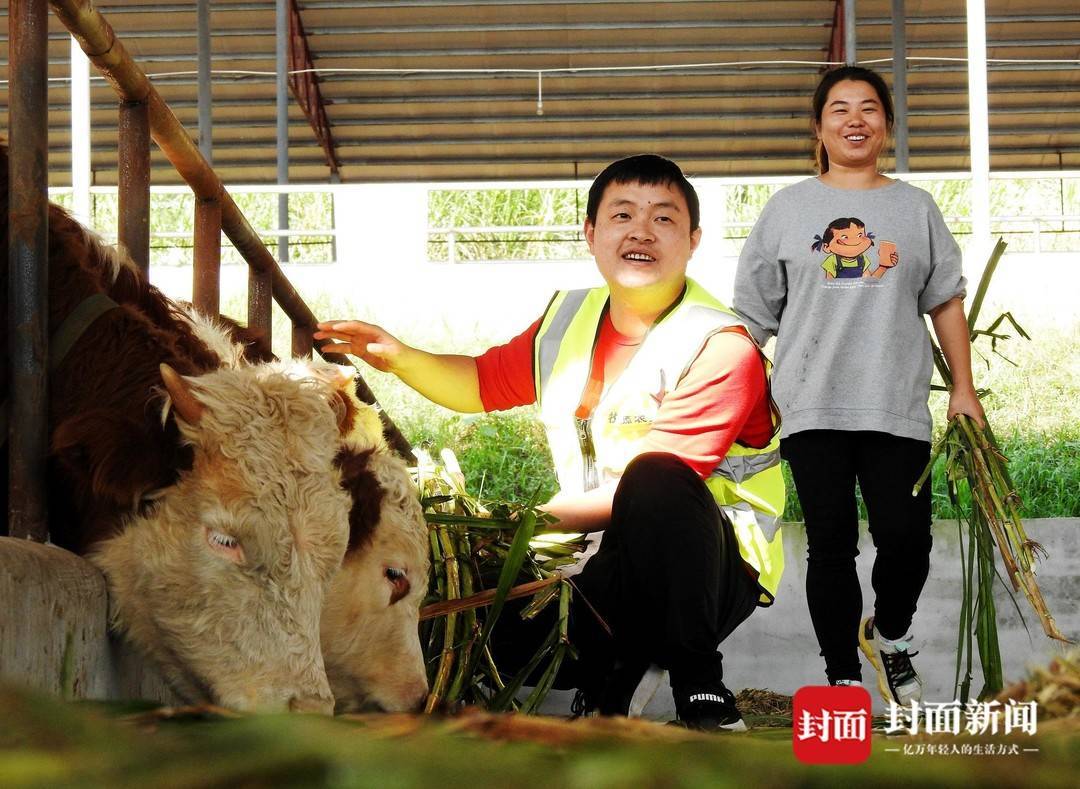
667, 578
825, 465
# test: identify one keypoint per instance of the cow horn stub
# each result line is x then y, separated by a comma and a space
187, 407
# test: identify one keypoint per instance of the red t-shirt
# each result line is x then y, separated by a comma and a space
721, 399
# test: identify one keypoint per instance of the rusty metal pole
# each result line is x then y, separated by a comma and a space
850, 37
302, 341
260, 303
133, 156
899, 85
206, 101
28, 268
206, 287
281, 62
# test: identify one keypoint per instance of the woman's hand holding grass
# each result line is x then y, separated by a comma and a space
963, 400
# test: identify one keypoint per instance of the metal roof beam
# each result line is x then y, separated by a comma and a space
419, 120
681, 156
305, 87
689, 71
368, 54
512, 27
335, 5
443, 120
557, 27
330, 74
689, 24
112, 9
960, 132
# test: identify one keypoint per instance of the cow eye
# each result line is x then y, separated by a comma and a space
399, 583
225, 545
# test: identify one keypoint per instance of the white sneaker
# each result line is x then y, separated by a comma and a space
897, 679
646, 689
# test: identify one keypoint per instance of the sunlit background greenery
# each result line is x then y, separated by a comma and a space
1032, 396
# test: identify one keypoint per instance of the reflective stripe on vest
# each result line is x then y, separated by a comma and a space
557, 320
747, 484
738, 467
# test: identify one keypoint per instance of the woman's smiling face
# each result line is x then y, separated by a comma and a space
853, 126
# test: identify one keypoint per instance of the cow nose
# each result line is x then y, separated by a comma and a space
322, 705
419, 693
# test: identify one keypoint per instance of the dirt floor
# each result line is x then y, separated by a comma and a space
44, 742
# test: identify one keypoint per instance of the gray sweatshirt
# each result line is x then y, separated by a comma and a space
852, 347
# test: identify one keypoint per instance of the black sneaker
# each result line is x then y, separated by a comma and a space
613, 694
585, 704
709, 708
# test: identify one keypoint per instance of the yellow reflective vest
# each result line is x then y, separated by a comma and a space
747, 483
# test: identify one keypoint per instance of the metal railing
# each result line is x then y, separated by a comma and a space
453, 237
143, 115
1039, 224
111, 236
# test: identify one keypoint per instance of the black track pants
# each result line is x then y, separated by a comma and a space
667, 579
825, 465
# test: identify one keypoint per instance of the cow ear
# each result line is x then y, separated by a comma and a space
110, 457
345, 405
187, 407
345, 409
340, 379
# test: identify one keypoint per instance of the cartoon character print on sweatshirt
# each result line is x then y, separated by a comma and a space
847, 244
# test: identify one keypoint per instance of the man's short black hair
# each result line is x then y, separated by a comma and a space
646, 169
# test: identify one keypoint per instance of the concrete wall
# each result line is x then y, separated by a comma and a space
776, 649
53, 629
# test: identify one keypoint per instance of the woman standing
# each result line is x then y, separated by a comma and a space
842, 268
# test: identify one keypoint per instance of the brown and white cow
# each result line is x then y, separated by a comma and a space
223, 580
370, 620
220, 522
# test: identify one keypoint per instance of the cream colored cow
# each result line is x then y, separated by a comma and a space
221, 582
370, 625
370, 621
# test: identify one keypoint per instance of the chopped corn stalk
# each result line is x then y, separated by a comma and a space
484, 554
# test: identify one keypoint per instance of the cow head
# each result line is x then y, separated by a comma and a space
223, 580
370, 623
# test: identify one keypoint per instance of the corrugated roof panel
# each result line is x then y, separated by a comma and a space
722, 86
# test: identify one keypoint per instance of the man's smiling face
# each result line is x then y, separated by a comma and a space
642, 239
